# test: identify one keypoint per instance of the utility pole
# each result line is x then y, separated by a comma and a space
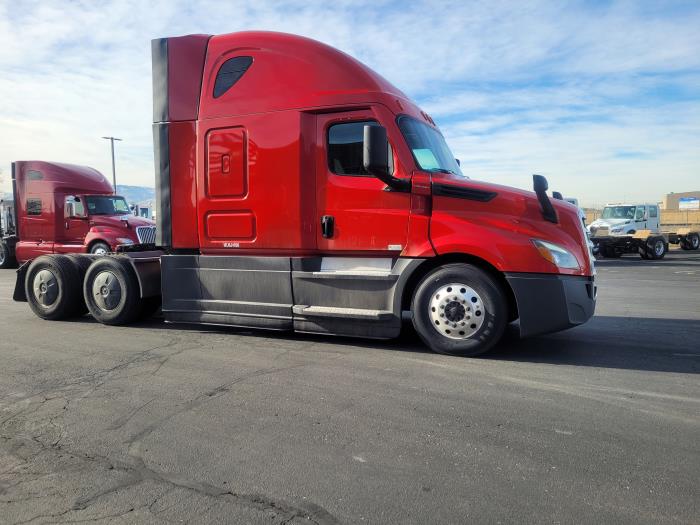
114, 170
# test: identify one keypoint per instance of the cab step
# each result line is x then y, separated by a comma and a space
346, 313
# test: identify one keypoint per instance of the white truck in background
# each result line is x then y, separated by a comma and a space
636, 228
627, 219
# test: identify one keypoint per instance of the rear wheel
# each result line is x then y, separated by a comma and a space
459, 309
52, 287
111, 291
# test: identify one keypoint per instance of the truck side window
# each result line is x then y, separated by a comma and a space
345, 148
229, 73
34, 175
640, 214
33, 206
652, 211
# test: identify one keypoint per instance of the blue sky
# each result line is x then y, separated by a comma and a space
602, 97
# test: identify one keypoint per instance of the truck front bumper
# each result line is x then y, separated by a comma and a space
549, 303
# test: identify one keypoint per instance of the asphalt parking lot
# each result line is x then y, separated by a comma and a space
160, 423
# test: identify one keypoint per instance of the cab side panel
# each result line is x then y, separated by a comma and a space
254, 190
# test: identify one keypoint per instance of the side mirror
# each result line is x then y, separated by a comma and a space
375, 150
69, 211
539, 183
375, 157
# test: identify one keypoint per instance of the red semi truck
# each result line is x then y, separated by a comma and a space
63, 208
299, 190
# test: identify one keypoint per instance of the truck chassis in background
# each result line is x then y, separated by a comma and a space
648, 244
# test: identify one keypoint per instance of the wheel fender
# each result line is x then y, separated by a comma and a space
146, 266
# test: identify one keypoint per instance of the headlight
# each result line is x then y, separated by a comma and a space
124, 240
557, 255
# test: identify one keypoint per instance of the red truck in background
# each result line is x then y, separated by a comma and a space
63, 208
299, 190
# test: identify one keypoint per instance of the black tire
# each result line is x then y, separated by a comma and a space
111, 291
493, 314
685, 245
6, 260
100, 248
52, 287
656, 248
693, 241
82, 262
643, 252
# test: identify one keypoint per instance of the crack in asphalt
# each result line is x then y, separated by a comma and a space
136, 470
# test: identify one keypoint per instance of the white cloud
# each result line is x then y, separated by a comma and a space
520, 87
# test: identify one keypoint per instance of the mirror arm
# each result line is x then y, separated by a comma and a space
396, 184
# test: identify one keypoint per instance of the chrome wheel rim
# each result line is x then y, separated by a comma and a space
45, 287
456, 311
695, 242
2, 255
99, 251
106, 290
659, 248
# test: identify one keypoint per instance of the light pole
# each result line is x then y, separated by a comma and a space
114, 170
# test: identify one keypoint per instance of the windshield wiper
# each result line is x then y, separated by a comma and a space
441, 170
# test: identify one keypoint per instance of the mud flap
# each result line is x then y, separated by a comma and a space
19, 294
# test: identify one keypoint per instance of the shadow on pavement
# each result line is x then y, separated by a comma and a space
661, 345
632, 343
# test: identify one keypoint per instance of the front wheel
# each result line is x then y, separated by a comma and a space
656, 248
459, 309
693, 241
100, 248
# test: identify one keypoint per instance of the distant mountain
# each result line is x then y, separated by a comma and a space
136, 194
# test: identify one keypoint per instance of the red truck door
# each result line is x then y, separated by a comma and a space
355, 211
75, 226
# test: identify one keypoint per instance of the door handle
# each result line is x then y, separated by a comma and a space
327, 226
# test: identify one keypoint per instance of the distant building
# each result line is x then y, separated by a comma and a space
688, 200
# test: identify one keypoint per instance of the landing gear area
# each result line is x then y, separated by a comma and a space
648, 245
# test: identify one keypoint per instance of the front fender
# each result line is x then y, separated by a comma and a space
502, 241
108, 235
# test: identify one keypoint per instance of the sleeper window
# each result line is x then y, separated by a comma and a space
33, 206
229, 73
345, 148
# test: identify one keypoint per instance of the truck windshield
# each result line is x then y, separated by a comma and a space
106, 205
428, 146
618, 212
